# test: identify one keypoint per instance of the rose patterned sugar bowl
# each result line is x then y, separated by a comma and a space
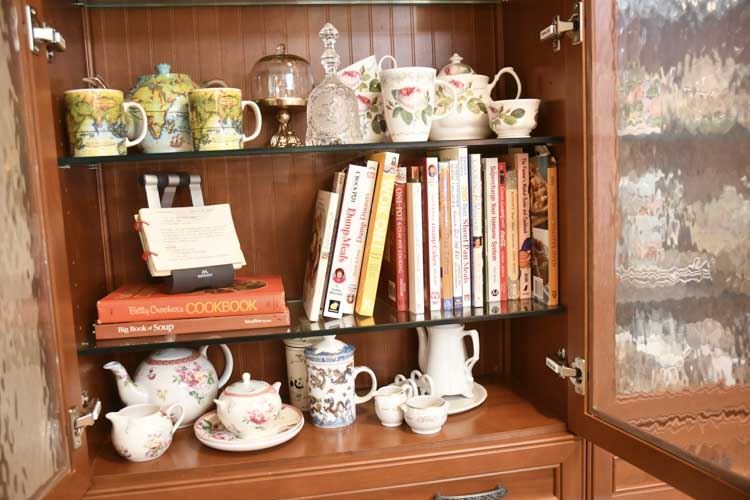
248, 405
469, 118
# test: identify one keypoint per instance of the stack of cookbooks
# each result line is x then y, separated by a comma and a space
145, 310
454, 231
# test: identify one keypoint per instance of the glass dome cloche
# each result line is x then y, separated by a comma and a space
282, 81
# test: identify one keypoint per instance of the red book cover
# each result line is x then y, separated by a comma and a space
148, 301
503, 239
190, 325
396, 269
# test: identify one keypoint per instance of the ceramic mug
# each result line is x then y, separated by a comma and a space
216, 118
409, 100
144, 431
388, 401
511, 117
97, 122
372, 117
425, 414
362, 76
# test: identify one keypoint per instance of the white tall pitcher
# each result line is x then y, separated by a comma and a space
442, 356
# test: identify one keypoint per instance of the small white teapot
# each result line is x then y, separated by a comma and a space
248, 405
143, 432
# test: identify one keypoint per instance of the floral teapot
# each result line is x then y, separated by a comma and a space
174, 375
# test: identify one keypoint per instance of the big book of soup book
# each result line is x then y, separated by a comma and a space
148, 302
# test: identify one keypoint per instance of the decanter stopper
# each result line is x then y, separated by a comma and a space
330, 58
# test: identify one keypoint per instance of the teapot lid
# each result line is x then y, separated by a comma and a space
329, 350
246, 386
172, 355
456, 67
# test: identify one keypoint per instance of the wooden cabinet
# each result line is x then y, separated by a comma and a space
531, 435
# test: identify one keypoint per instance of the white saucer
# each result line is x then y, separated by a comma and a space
210, 431
458, 404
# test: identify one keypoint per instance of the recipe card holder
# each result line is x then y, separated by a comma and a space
184, 280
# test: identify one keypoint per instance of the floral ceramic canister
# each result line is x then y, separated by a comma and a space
164, 96
330, 375
468, 120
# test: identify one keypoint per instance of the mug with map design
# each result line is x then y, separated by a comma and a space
97, 122
216, 118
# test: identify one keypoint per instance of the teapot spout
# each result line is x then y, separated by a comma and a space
423, 349
130, 392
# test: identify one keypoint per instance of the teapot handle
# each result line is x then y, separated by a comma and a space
228, 363
500, 73
470, 362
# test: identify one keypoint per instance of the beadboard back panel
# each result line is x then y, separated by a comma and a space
272, 198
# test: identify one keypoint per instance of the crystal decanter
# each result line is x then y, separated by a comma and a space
332, 106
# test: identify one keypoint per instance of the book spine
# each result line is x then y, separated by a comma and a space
554, 249
463, 166
477, 235
491, 216
431, 234
414, 246
524, 226
337, 186
511, 224
446, 244
325, 220
378, 228
188, 306
398, 290
503, 231
193, 325
349, 228
352, 287
458, 283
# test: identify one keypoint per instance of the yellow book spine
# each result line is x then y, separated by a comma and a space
376, 234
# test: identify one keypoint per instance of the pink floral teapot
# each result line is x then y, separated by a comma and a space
174, 375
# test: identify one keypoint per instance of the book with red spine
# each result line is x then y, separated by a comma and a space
414, 244
190, 325
395, 267
260, 294
501, 172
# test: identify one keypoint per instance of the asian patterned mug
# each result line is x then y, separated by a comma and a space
409, 101
96, 120
216, 118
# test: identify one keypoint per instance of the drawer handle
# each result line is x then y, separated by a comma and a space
498, 492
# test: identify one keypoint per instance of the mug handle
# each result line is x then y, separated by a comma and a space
213, 83
500, 73
387, 58
258, 121
427, 381
168, 412
127, 105
454, 97
410, 388
470, 362
363, 399
228, 363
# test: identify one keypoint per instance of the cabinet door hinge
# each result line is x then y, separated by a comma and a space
42, 36
87, 416
575, 371
572, 28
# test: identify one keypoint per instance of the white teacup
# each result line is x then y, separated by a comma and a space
361, 76
511, 117
371, 117
388, 401
409, 100
425, 414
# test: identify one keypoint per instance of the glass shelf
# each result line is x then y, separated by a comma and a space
213, 3
385, 318
478, 145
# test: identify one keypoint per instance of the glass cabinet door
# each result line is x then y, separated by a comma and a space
670, 258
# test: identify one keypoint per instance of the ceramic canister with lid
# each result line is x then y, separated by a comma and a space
468, 120
296, 370
330, 377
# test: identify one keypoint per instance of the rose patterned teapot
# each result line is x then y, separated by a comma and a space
174, 375
248, 404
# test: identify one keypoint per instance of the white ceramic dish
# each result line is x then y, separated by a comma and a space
459, 404
210, 431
